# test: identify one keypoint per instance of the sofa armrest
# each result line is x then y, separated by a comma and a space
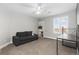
36, 36
15, 39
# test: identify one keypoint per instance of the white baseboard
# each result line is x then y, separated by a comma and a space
4, 45
50, 37
53, 38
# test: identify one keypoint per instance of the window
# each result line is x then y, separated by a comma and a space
60, 24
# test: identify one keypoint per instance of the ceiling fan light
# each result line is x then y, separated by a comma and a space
39, 8
38, 12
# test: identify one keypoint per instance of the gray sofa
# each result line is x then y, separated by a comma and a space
24, 37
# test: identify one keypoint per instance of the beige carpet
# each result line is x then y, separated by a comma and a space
38, 47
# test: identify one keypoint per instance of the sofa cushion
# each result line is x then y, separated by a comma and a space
29, 33
23, 34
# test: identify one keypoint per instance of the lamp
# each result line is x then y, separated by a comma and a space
39, 27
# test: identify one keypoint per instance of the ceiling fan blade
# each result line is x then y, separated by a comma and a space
27, 5
31, 5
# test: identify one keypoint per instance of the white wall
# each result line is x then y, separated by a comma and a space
48, 23
4, 28
12, 22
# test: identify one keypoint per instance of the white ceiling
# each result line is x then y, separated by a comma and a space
47, 9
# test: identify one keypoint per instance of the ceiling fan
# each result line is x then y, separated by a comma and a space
39, 7
31, 5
